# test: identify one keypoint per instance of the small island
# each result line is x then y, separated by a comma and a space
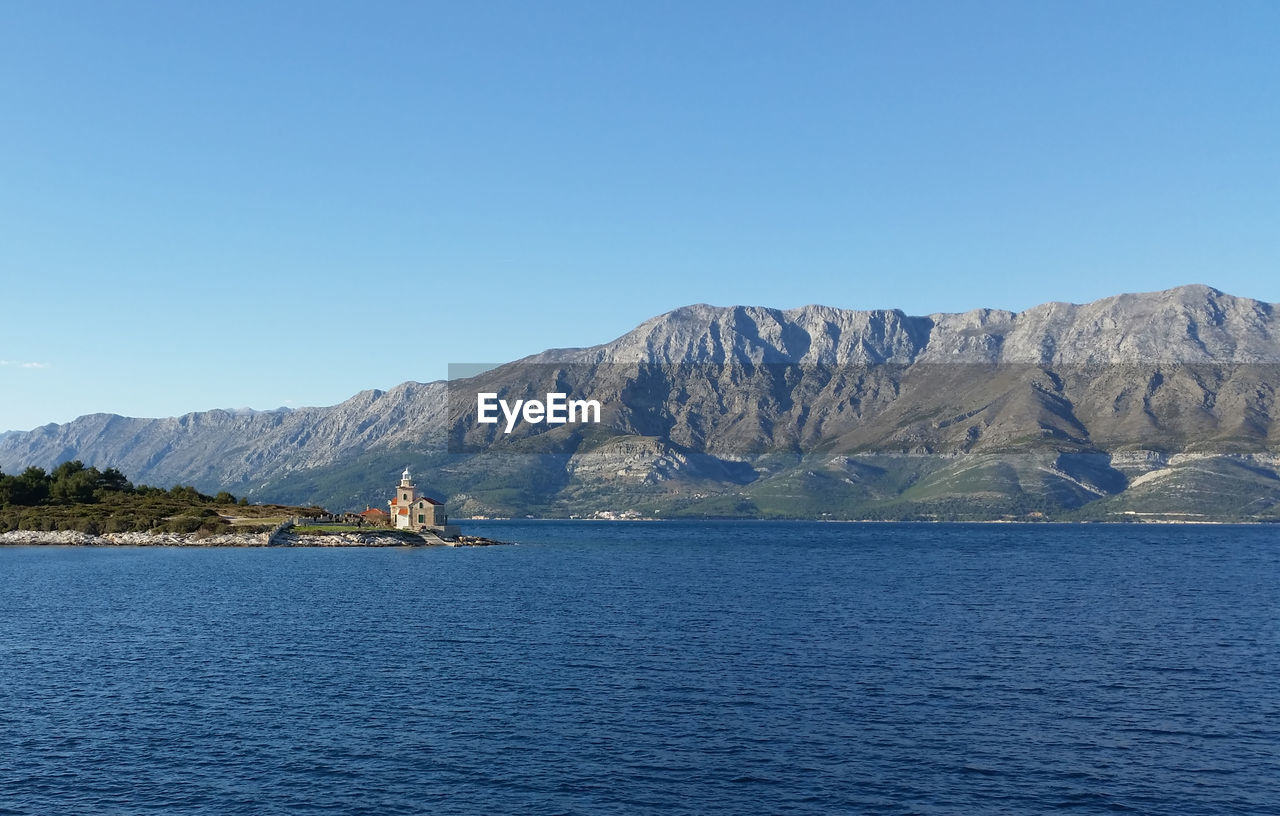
79, 505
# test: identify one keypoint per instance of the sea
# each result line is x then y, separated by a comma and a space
652, 667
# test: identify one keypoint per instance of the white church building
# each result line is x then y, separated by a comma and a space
414, 510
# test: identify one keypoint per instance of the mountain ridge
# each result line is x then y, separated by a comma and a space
702, 389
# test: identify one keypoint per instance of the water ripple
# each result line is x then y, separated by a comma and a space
629, 669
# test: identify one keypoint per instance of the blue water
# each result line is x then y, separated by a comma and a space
651, 668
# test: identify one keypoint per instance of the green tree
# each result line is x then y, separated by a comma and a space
76, 488
115, 481
66, 470
31, 487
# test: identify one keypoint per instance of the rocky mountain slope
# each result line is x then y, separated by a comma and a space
1158, 403
222, 447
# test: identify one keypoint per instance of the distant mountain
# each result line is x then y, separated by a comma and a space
226, 449
1158, 403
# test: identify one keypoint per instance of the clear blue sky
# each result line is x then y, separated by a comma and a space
224, 204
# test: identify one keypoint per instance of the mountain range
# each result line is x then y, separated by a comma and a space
1156, 406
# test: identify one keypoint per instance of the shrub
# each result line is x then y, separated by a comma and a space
120, 524
184, 524
214, 525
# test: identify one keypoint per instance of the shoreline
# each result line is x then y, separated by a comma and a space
388, 538
72, 538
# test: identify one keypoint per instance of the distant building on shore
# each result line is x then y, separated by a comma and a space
374, 515
412, 510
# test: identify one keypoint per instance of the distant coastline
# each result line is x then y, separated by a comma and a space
1119, 522
391, 538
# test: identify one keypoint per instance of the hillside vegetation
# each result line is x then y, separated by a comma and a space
85, 499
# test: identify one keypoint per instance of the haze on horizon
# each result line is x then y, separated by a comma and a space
235, 205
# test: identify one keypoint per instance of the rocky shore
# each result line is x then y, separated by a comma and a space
386, 538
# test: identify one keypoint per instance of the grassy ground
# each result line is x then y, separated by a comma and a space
243, 521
